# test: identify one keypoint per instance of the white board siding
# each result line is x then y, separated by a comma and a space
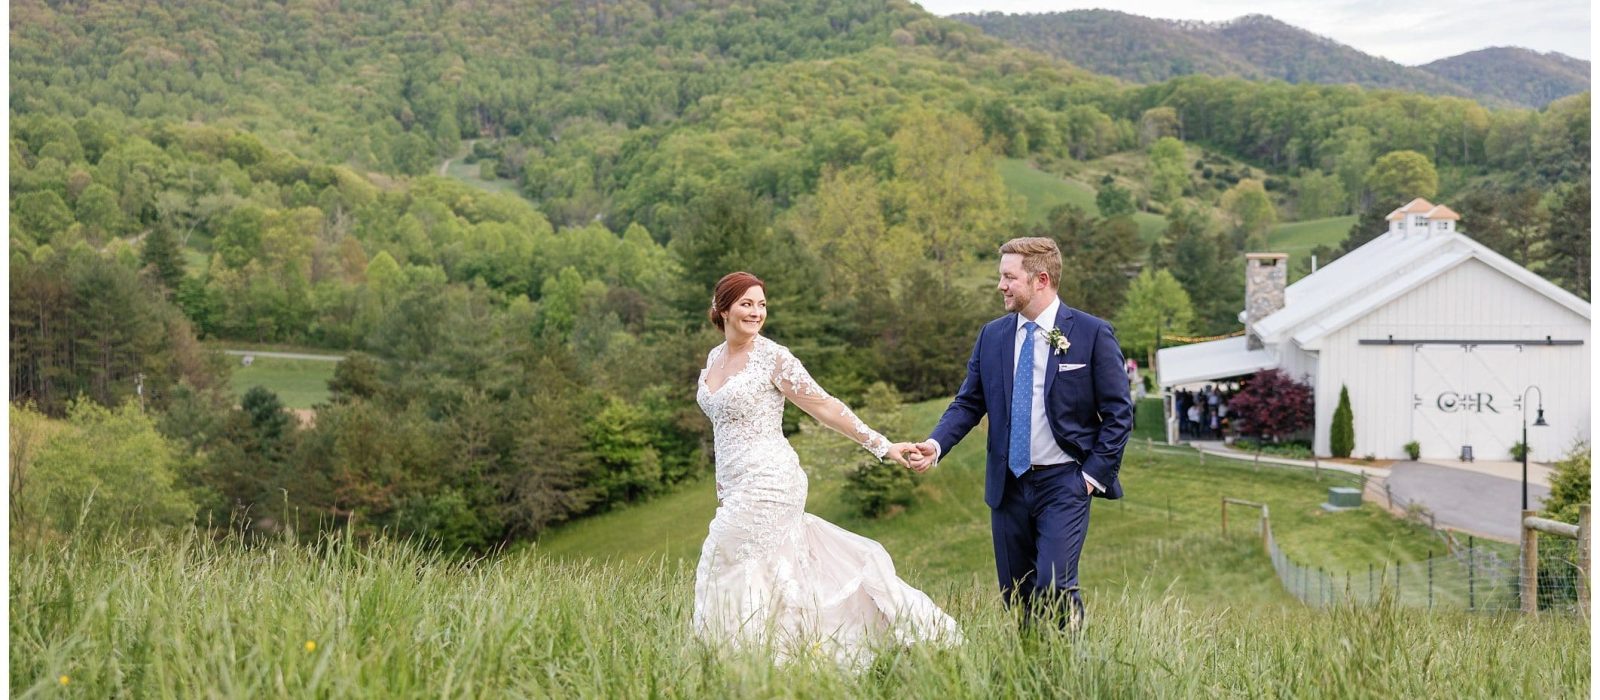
1470, 301
1297, 363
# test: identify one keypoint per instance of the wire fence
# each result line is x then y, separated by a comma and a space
1471, 578
1463, 575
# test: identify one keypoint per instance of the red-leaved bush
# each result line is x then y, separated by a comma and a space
1272, 404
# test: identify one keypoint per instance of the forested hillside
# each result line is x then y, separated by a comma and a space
1258, 47
1515, 74
263, 174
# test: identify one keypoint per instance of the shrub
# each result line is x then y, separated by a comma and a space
877, 488
1342, 436
105, 470
1413, 450
446, 520
1569, 485
1519, 450
1272, 404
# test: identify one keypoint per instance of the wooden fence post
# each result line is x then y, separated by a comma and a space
1472, 573
1430, 579
1266, 526
1530, 565
1583, 559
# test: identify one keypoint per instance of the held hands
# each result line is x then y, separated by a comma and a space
921, 456
897, 453
917, 457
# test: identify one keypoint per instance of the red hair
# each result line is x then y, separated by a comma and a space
729, 289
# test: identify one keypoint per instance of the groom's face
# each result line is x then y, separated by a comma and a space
1017, 287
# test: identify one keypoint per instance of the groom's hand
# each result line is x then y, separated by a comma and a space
926, 453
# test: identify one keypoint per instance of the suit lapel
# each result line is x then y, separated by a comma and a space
1064, 322
1008, 352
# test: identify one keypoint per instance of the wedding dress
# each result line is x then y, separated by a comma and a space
771, 575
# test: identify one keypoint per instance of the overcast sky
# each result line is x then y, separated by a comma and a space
1411, 33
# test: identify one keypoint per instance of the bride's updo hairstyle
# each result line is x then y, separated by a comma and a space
732, 286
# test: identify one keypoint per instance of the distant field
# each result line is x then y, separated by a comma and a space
195, 262
298, 383
1299, 237
1044, 191
458, 168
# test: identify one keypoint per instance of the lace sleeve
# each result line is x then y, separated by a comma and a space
796, 384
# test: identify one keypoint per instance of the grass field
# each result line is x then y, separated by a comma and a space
460, 169
1299, 237
1161, 537
187, 615
298, 383
1044, 191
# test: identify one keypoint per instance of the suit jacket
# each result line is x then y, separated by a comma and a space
1086, 399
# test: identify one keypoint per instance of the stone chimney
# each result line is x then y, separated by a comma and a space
1266, 275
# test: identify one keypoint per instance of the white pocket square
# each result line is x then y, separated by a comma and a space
1068, 367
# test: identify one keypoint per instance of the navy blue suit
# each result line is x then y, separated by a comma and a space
1040, 519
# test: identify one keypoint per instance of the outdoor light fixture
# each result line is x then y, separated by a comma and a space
1538, 421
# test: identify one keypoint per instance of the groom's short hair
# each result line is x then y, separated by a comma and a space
1039, 255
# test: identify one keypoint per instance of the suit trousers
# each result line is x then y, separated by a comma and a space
1039, 529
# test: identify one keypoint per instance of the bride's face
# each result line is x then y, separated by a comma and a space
747, 315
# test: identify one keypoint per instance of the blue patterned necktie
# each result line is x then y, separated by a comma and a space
1022, 405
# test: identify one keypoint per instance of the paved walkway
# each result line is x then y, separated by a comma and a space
1467, 499
1537, 473
1216, 447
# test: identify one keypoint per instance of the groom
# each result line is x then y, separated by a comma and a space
1051, 380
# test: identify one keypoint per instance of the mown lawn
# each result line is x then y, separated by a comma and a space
1044, 192
298, 383
1298, 238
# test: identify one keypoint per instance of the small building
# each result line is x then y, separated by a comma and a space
1436, 337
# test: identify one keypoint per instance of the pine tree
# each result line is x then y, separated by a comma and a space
1342, 438
1567, 237
161, 253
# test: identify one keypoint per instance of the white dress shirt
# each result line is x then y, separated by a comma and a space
1043, 448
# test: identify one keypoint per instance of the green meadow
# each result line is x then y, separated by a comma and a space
298, 383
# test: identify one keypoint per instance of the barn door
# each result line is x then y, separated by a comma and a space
1466, 395
1436, 425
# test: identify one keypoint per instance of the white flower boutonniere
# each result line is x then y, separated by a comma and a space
1057, 341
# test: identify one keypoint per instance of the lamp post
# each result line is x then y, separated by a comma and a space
1538, 422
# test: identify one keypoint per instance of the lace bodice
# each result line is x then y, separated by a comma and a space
747, 409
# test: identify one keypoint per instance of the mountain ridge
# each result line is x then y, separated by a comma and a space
1260, 47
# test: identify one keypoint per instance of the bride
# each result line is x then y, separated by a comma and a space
771, 575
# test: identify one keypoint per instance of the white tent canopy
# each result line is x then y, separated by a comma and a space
1217, 359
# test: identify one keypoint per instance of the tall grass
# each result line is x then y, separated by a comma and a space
182, 615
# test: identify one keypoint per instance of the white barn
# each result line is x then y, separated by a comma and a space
1436, 336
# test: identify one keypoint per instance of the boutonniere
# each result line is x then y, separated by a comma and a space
1057, 341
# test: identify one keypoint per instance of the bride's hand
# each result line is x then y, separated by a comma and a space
897, 453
